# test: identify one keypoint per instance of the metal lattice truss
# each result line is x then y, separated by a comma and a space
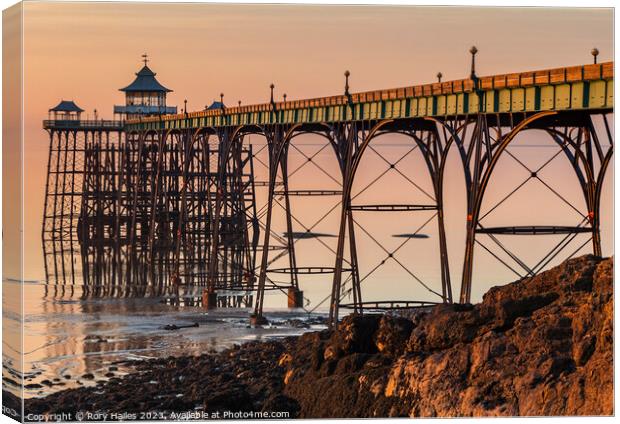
168, 206
578, 140
169, 212
135, 214
480, 141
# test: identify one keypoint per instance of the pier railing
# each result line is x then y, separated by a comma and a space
584, 87
83, 124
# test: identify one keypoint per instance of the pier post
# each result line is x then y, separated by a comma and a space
295, 298
258, 320
209, 300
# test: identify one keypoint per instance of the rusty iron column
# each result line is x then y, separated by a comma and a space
347, 139
276, 140
294, 295
225, 141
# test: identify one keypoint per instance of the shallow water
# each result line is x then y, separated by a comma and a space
64, 340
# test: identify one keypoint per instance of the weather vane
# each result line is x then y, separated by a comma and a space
145, 58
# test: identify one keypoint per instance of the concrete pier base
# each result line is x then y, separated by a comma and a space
209, 300
256, 320
295, 298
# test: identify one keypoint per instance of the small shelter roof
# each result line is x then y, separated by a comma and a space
216, 105
66, 106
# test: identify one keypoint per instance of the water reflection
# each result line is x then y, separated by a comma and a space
129, 217
72, 343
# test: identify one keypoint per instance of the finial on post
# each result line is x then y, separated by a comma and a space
239, 103
439, 75
271, 87
346, 82
473, 52
284, 95
185, 106
594, 53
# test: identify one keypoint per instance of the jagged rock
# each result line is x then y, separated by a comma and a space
356, 334
392, 335
539, 346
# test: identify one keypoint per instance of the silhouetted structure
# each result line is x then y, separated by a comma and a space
181, 207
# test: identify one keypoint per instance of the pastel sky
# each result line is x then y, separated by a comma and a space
87, 51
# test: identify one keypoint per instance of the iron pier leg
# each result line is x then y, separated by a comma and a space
355, 277
295, 296
257, 318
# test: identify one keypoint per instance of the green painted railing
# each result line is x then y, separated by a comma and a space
570, 88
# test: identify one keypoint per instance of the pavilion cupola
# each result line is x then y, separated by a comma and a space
144, 96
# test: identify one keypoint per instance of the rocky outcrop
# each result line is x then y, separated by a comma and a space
540, 346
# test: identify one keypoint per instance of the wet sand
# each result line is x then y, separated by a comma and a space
73, 343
